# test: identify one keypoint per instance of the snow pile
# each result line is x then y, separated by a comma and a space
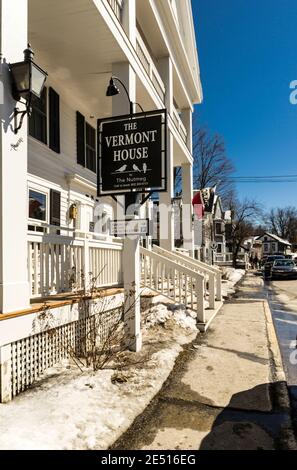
73, 410
230, 277
160, 314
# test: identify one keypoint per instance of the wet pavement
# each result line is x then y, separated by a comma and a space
227, 389
282, 297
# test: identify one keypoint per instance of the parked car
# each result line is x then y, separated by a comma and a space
284, 269
269, 262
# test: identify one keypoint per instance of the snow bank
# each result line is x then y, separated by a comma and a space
160, 314
73, 410
230, 277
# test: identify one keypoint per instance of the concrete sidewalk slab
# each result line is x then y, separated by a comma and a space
227, 390
188, 426
233, 359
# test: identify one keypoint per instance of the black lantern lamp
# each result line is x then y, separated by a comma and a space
113, 90
27, 79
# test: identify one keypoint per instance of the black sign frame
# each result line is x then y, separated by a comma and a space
128, 118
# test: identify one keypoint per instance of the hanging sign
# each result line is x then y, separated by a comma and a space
122, 228
132, 153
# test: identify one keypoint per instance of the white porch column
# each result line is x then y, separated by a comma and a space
129, 19
132, 316
5, 374
14, 287
165, 206
187, 208
186, 117
166, 210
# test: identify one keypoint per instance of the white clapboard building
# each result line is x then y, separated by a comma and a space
49, 241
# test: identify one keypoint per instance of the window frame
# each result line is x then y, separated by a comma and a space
83, 143
220, 231
44, 114
45, 193
90, 147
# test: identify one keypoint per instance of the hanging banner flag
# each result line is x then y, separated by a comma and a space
198, 205
132, 153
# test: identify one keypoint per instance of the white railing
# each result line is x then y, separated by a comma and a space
212, 275
59, 263
174, 281
149, 66
179, 125
227, 257
117, 8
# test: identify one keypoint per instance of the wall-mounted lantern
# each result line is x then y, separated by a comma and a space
73, 212
27, 79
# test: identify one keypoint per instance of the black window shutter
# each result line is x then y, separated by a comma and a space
54, 120
55, 208
80, 139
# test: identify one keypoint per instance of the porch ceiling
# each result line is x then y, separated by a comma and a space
74, 45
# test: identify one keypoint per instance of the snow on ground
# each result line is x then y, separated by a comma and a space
73, 410
230, 277
161, 313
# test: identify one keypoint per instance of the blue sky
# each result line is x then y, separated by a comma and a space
248, 57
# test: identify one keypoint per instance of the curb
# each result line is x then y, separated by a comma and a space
279, 377
279, 374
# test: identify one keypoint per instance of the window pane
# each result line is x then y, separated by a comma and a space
90, 148
37, 205
218, 228
37, 120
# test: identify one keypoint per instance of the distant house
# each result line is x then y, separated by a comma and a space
254, 247
272, 244
209, 233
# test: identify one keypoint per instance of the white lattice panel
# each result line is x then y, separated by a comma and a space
31, 356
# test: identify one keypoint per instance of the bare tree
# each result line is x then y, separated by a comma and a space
283, 222
211, 166
244, 215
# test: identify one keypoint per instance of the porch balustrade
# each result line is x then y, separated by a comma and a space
58, 263
117, 8
149, 66
179, 125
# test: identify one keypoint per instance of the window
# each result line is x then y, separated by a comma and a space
37, 120
218, 228
37, 205
54, 120
273, 247
85, 143
219, 248
90, 148
55, 209
266, 247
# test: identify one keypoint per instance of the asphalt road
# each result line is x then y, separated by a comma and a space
282, 297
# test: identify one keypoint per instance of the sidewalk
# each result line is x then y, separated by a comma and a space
227, 390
